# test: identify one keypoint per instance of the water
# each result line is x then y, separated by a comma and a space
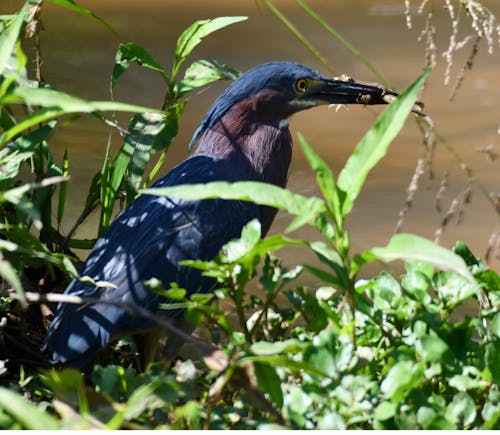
78, 57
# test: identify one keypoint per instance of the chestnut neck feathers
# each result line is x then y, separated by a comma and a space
254, 132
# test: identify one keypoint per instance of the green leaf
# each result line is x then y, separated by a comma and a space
469, 379
401, 379
463, 251
491, 410
321, 354
324, 178
495, 324
193, 35
492, 360
432, 348
259, 193
250, 236
373, 146
12, 156
269, 382
70, 4
385, 410
411, 247
136, 404
461, 410
25, 413
148, 133
10, 36
297, 402
52, 98
273, 348
56, 104
132, 52
9, 274
203, 72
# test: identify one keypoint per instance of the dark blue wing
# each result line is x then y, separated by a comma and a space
148, 239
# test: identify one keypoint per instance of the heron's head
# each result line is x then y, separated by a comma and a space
283, 88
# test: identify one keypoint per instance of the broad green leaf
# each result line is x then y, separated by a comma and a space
70, 4
411, 247
148, 133
250, 236
193, 35
385, 410
491, 410
10, 36
203, 72
269, 382
373, 146
296, 404
322, 352
132, 52
403, 377
27, 415
470, 378
253, 191
461, 410
453, 288
432, 348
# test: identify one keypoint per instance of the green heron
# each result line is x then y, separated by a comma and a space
243, 137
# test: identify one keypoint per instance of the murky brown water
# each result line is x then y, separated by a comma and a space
78, 58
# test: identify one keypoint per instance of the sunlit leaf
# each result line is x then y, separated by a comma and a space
403, 377
27, 415
132, 52
10, 36
259, 193
412, 247
461, 410
432, 348
373, 146
203, 72
193, 35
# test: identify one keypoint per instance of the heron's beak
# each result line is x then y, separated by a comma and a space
344, 90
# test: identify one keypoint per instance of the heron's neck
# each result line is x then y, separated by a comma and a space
252, 137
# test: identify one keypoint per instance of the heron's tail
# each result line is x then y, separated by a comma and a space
77, 335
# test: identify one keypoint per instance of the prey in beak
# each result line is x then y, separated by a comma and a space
345, 90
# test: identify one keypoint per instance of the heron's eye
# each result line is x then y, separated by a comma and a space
301, 85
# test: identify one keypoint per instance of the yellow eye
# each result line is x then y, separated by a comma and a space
301, 85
